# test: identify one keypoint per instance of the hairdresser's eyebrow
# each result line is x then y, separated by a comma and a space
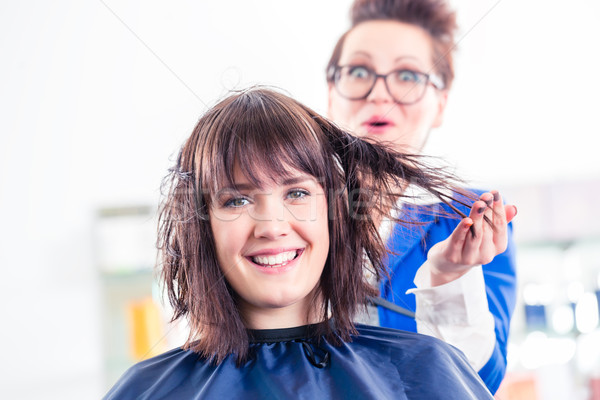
410, 62
361, 53
396, 60
402, 58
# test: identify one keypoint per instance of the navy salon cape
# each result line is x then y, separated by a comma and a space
410, 246
379, 363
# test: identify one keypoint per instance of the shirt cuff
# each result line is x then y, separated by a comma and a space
457, 313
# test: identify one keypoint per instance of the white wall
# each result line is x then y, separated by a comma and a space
96, 96
526, 90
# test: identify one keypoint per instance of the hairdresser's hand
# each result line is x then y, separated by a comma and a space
474, 241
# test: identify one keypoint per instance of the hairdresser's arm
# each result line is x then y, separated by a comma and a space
458, 311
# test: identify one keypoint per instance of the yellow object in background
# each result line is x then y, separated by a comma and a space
146, 329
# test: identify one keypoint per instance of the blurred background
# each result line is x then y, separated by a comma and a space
97, 96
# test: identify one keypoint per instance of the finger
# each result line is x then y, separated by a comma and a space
511, 212
503, 215
449, 251
508, 212
476, 214
459, 235
499, 212
456, 241
487, 198
499, 222
488, 215
491, 238
472, 243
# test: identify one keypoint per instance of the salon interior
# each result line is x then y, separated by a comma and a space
97, 97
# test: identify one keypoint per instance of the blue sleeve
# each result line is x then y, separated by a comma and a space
500, 282
499, 276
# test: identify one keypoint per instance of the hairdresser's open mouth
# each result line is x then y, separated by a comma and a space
275, 260
377, 124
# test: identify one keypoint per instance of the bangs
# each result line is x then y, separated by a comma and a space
266, 137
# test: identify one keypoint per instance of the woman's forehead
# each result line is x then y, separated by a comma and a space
261, 176
388, 42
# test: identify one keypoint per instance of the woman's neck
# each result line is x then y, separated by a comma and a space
298, 314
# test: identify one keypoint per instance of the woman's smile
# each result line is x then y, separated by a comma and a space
274, 261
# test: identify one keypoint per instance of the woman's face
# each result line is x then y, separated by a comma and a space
385, 46
272, 243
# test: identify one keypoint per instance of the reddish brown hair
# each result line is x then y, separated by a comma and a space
265, 133
434, 16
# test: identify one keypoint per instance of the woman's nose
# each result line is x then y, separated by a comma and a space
380, 93
271, 222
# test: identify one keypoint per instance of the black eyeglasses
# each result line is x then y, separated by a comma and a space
355, 82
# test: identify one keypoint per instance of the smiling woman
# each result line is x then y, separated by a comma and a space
274, 253
266, 230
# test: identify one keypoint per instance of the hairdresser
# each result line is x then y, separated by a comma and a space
389, 79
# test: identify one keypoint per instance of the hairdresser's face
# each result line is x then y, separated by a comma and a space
385, 46
272, 243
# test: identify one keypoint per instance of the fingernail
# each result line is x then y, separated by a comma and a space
496, 195
480, 210
489, 202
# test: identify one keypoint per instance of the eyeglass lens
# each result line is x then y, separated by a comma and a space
405, 86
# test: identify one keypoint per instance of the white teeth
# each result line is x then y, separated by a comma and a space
279, 259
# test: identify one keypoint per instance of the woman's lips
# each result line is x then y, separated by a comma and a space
270, 262
377, 125
275, 259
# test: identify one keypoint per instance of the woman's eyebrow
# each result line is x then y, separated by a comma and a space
246, 186
236, 187
297, 179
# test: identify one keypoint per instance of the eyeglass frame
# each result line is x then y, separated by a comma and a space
434, 79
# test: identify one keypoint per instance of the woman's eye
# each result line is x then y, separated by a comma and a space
359, 72
405, 75
297, 194
236, 202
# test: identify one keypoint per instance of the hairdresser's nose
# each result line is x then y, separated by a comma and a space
379, 93
271, 221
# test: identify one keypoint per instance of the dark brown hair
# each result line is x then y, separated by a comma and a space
265, 134
434, 16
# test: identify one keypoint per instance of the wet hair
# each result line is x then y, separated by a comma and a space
434, 16
265, 134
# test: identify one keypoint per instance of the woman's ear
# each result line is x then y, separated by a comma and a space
442, 97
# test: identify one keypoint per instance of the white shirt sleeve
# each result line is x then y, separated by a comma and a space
457, 313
